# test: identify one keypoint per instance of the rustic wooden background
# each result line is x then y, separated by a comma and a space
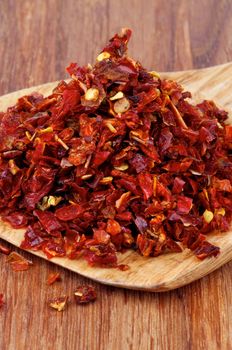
38, 38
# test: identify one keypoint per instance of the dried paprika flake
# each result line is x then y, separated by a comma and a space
116, 158
4, 250
18, 262
53, 277
85, 294
58, 303
1, 300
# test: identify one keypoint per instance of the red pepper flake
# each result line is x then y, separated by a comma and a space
53, 277
59, 303
85, 294
4, 250
113, 227
69, 212
1, 300
18, 262
206, 249
123, 267
116, 158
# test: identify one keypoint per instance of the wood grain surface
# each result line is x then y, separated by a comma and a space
38, 39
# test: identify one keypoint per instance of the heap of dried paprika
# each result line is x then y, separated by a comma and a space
115, 158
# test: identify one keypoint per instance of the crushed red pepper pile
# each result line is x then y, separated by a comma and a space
116, 158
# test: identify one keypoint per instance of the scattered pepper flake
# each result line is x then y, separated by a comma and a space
85, 294
18, 262
59, 303
53, 277
4, 250
1, 300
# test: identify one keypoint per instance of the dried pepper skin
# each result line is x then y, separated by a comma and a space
1, 300
115, 158
53, 277
18, 262
59, 303
85, 294
4, 250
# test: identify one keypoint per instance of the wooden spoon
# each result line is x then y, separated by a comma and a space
170, 270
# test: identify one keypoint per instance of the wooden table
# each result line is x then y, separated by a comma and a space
37, 40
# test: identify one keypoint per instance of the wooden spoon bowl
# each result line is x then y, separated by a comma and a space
170, 270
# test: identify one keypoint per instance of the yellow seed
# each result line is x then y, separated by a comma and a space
106, 180
138, 140
154, 185
33, 136
49, 201
28, 135
52, 200
88, 161
178, 115
122, 105
86, 177
220, 211
154, 74
92, 94
220, 126
61, 142
112, 112
162, 237
111, 127
93, 249
103, 56
139, 136
48, 129
206, 194
59, 304
158, 218
195, 173
13, 167
208, 216
122, 167
117, 96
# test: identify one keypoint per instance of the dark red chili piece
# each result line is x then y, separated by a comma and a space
85, 294
116, 158
1, 300
4, 250
123, 267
